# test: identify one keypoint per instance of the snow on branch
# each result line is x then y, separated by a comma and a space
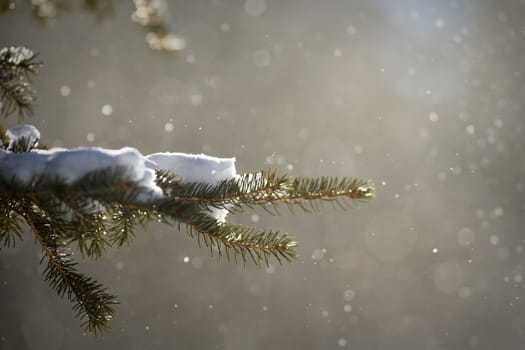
32, 169
95, 198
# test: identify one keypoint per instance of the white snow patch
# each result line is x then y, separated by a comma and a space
196, 168
71, 165
22, 131
25, 130
22, 166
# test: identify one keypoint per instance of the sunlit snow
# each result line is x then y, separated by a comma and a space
70, 165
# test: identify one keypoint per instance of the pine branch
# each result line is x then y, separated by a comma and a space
98, 209
240, 241
247, 189
102, 208
17, 64
86, 195
17, 96
124, 221
18, 60
342, 192
266, 187
10, 222
90, 300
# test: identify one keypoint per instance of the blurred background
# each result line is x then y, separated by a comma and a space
423, 97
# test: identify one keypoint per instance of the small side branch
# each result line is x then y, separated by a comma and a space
102, 208
10, 222
246, 189
233, 240
90, 300
17, 64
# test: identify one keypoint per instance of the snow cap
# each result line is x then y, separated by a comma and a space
26, 131
195, 167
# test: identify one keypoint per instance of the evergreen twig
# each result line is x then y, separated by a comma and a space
102, 208
10, 222
266, 187
91, 302
17, 65
240, 241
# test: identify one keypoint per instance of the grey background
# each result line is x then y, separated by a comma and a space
423, 97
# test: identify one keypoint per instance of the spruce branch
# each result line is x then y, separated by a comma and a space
98, 210
17, 65
266, 187
101, 208
91, 302
10, 222
18, 60
124, 220
342, 192
247, 189
240, 241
